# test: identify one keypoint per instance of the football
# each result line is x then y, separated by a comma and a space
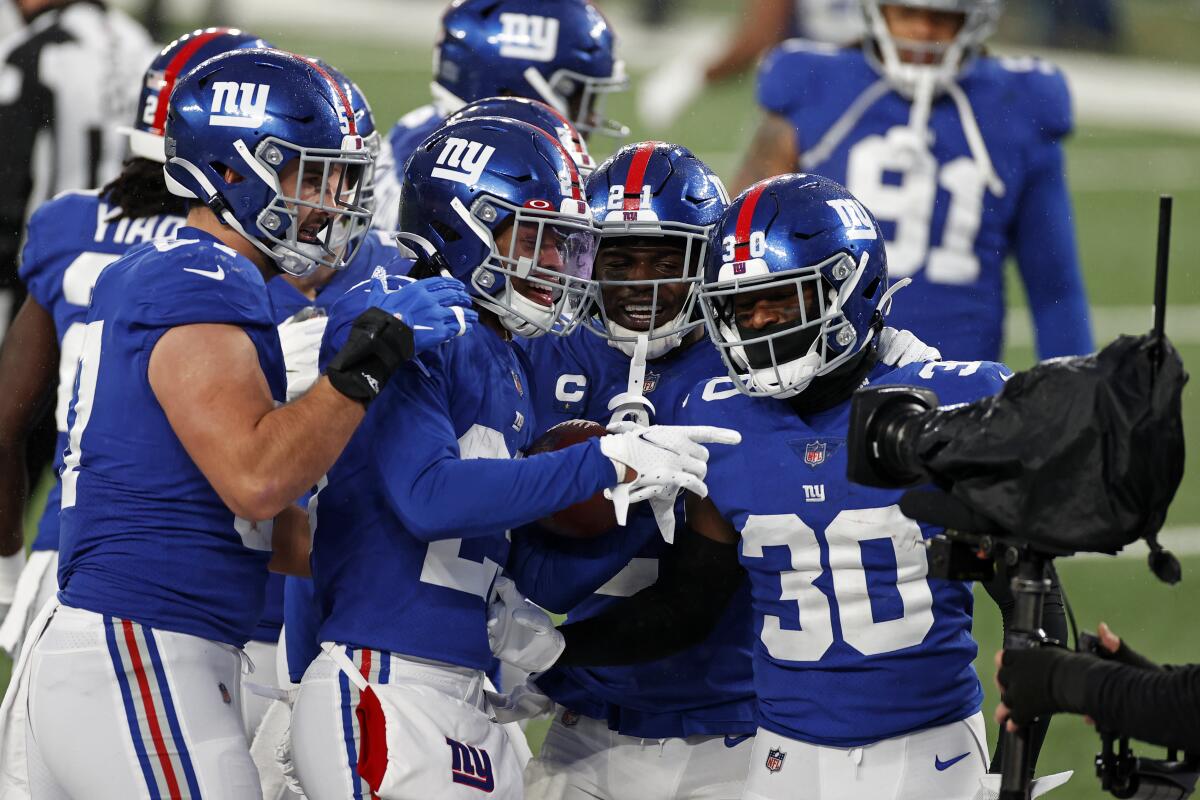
586, 518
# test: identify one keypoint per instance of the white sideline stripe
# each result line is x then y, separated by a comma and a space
1109, 322
1183, 541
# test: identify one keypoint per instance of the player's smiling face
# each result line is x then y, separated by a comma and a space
635, 305
550, 254
775, 305
921, 26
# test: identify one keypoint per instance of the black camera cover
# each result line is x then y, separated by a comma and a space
1076, 454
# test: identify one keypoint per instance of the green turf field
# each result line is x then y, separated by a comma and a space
1116, 175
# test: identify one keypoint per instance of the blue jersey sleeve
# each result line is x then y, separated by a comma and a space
1044, 229
781, 86
36, 270
438, 495
199, 282
955, 382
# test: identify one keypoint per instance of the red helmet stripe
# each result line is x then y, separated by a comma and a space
171, 73
340, 93
741, 241
635, 176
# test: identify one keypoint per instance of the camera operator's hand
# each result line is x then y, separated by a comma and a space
1113, 649
1036, 682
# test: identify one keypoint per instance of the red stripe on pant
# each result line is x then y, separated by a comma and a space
160, 745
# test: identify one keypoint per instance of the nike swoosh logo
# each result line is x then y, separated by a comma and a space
734, 741
941, 766
218, 275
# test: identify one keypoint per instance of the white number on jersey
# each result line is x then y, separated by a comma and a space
78, 280
85, 395
910, 203
443, 566
814, 612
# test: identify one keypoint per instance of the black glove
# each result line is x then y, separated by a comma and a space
1043, 680
378, 344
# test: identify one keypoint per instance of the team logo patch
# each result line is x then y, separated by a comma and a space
242, 105
471, 766
815, 452
462, 161
226, 698
775, 759
570, 718
650, 382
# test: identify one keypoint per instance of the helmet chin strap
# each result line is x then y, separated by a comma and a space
658, 343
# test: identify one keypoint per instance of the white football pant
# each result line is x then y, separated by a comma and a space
944, 763
582, 759
37, 584
119, 710
429, 735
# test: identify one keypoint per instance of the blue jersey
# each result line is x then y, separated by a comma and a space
855, 642
68, 241
419, 505
945, 227
378, 249
144, 534
408, 133
574, 378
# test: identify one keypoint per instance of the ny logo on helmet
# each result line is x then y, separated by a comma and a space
464, 160
854, 217
528, 36
244, 104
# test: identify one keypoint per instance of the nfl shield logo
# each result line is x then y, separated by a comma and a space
814, 454
775, 760
517, 382
649, 383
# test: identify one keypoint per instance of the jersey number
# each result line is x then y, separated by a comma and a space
909, 202
809, 633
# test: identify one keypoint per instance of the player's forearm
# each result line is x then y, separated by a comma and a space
290, 449
13, 491
291, 543
455, 498
539, 560
764, 22
773, 151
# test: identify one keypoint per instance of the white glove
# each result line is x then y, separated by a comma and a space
520, 633
901, 348
523, 702
667, 91
989, 785
665, 456
10, 573
300, 338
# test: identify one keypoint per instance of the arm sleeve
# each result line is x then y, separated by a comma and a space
696, 581
439, 495
1157, 706
540, 563
1044, 231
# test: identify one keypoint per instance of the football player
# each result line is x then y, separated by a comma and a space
862, 664
412, 526
68, 241
181, 471
662, 729
956, 152
560, 52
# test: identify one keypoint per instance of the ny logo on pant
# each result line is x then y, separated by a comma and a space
471, 766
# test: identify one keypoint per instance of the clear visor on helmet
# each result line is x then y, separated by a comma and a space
317, 213
545, 257
585, 97
777, 331
647, 276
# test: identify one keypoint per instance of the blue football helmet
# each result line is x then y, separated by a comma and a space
556, 51
499, 205
804, 246
259, 114
365, 120
537, 114
172, 63
660, 191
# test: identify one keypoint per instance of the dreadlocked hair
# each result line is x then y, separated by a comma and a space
140, 191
